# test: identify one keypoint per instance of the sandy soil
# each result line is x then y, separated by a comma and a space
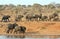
43, 28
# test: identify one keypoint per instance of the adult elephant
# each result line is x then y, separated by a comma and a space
29, 17
44, 18
5, 18
10, 27
39, 17
56, 19
35, 17
19, 17
20, 29
53, 16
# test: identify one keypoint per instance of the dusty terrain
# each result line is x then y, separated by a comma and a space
43, 28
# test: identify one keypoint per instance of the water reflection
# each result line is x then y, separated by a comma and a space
20, 36
24, 37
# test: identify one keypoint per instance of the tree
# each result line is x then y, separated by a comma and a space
37, 8
29, 6
51, 5
1, 7
24, 6
11, 5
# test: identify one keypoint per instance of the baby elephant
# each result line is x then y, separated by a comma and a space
20, 29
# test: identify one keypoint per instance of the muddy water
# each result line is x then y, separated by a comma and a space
27, 37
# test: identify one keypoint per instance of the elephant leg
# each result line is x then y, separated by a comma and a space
11, 31
5, 20
2, 20
15, 31
23, 32
8, 31
39, 19
8, 20
28, 19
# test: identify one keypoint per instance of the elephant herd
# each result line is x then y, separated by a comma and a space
36, 17
15, 28
41, 17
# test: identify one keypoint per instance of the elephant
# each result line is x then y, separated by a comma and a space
34, 17
40, 17
44, 18
19, 17
54, 15
28, 17
10, 27
20, 29
56, 19
5, 18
